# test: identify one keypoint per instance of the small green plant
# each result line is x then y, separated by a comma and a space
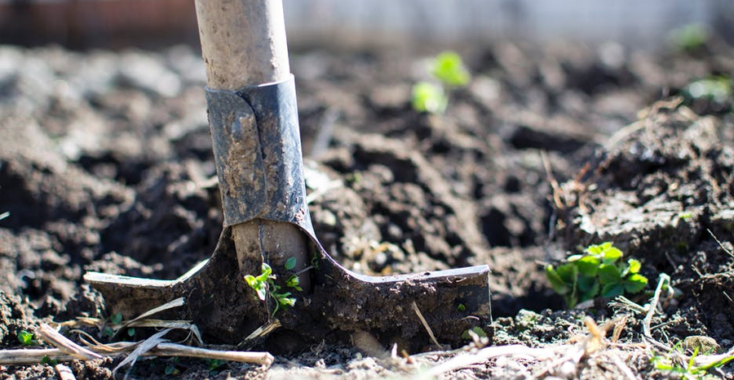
689, 38
448, 73
264, 285
598, 271
429, 97
47, 360
476, 330
675, 362
215, 365
714, 88
26, 338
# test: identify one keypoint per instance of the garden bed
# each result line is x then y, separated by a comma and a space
106, 165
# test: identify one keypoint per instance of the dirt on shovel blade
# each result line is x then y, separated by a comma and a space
106, 165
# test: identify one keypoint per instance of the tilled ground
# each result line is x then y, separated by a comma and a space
106, 165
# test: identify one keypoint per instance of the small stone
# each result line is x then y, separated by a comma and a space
704, 344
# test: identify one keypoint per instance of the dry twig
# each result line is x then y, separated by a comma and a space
51, 336
425, 324
34, 356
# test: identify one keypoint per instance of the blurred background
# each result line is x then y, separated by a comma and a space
82, 24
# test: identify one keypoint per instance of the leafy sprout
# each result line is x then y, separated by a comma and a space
47, 360
598, 271
448, 72
689, 38
26, 338
715, 88
264, 285
429, 97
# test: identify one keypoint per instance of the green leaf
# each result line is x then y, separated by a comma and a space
116, 318
635, 283
252, 281
568, 272
611, 255
609, 274
634, 265
588, 288
25, 338
293, 282
131, 332
290, 263
574, 258
428, 97
266, 272
560, 286
449, 69
461, 308
476, 330
594, 249
588, 265
47, 360
612, 290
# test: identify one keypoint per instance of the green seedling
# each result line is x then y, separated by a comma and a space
476, 330
449, 70
26, 338
685, 215
598, 271
448, 73
461, 308
429, 97
675, 363
689, 38
47, 360
264, 286
215, 365
715, 88
116, 318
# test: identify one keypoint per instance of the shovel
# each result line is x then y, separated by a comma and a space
254, 126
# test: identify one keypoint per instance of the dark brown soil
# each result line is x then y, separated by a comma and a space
106, 165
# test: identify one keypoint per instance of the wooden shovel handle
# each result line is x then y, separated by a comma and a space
243, 43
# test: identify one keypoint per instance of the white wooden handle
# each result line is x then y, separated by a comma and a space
243, 42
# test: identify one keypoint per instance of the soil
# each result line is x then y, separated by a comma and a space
106, 165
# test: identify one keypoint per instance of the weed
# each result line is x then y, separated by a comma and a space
599, 271
685, 215
47, 360
265, 285
449, 72
429, 97
714, 88
466, 335
689, 38
675, 362
26, 338
214, 365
